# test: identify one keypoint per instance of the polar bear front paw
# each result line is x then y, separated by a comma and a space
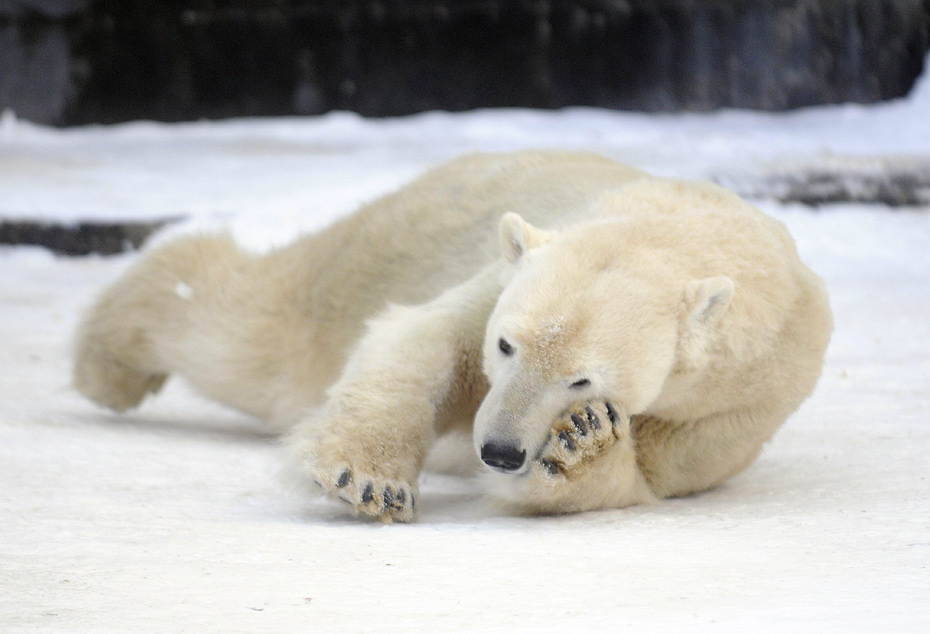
371, 468
386, 499
580, 436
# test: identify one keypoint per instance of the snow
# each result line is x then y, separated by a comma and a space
173, 518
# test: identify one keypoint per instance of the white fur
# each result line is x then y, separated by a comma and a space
671, 316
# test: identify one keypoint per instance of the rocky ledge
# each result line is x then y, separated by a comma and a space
896, 182
84, 238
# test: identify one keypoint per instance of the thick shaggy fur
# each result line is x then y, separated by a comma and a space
644, 342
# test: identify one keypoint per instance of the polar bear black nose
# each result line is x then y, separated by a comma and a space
502, 457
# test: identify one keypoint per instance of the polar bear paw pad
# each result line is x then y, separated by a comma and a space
379, 498
580, 436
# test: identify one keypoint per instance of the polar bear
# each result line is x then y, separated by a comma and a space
608, 337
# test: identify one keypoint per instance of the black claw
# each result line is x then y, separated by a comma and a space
579, 425
566, 440
401, 497
344, 479
593, 420
413, 502
368, 493
612, 415
549, 466
388, 498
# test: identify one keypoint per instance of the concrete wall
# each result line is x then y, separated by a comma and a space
79, 61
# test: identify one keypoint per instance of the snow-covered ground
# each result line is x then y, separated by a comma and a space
173, 519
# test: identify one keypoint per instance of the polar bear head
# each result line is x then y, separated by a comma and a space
594, 312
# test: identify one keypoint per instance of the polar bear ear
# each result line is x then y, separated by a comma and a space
518, 236
706, 300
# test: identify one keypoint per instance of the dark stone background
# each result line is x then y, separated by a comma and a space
66, 62
81, 238
78, 61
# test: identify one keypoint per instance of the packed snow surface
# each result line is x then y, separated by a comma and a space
173, 518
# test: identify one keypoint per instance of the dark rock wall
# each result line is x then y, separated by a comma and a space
81, 238
78, 61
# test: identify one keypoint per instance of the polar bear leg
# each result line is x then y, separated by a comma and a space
126, 344
415, 370
683, 459
589, 463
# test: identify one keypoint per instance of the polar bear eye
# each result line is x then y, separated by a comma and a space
505, 347
580, 383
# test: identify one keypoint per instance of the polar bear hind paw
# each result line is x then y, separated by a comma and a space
377, 497
581, 435
101, 375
